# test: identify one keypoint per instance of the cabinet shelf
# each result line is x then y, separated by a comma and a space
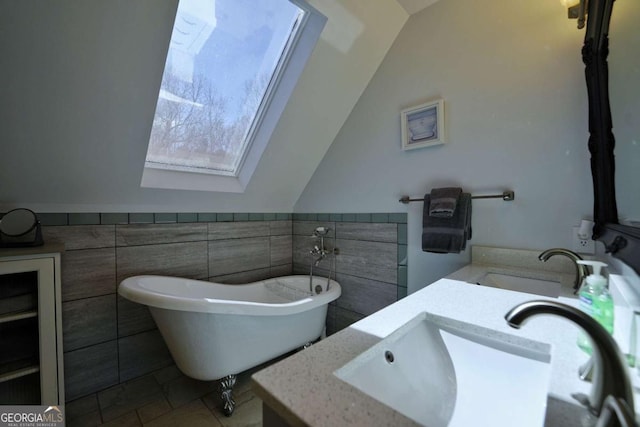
20, 368
12, 317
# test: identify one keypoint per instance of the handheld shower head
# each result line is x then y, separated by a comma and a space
321, 231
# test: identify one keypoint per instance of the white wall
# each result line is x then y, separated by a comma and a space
511, 75
78, 87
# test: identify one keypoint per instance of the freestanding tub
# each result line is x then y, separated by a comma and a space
216, 331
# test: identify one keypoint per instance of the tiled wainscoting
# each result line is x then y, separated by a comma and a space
109, 340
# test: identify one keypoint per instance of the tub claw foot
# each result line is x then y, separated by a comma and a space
226, 393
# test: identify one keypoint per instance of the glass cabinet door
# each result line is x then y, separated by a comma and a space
28, 353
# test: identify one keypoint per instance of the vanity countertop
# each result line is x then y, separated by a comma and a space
303, 390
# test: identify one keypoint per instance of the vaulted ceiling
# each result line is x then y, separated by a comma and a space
79, 82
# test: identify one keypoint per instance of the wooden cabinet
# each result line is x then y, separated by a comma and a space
31, 363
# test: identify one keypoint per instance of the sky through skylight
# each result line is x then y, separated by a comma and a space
221, 59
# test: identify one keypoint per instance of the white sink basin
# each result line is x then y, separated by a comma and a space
441, 372
510, 282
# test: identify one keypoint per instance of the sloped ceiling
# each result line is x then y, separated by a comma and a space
78, 86
415, 6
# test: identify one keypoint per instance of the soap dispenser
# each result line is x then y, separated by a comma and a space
595, 300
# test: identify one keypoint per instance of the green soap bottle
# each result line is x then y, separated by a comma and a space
596, 301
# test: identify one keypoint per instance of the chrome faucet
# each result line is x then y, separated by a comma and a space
320, 232
318, 251
619, 408
610, 371
321, 252
581, 270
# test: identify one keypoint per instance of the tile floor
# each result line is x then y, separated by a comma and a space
166, 398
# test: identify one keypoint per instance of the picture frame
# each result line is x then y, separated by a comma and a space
423, 125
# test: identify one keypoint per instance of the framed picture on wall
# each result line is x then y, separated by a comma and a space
423, 125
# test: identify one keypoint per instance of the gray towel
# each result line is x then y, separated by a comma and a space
447, 235
444, 201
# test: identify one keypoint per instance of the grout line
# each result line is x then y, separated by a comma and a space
138, 416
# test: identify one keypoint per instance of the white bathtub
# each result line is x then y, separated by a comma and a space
215, 330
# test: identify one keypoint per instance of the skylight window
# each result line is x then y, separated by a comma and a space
224, 67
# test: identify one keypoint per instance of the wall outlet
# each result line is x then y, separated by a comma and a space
582, 246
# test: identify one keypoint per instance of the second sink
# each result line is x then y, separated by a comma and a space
510, 282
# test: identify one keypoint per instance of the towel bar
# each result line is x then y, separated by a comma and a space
507, 196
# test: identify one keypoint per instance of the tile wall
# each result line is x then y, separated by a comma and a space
109, 340
371, 265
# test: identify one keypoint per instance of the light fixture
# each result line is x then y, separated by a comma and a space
576, 9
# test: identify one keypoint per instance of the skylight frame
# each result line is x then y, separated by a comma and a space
299, 46
272, 87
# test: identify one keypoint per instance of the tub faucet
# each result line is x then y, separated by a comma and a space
581, 270
610, 371
321, 252
320, 233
